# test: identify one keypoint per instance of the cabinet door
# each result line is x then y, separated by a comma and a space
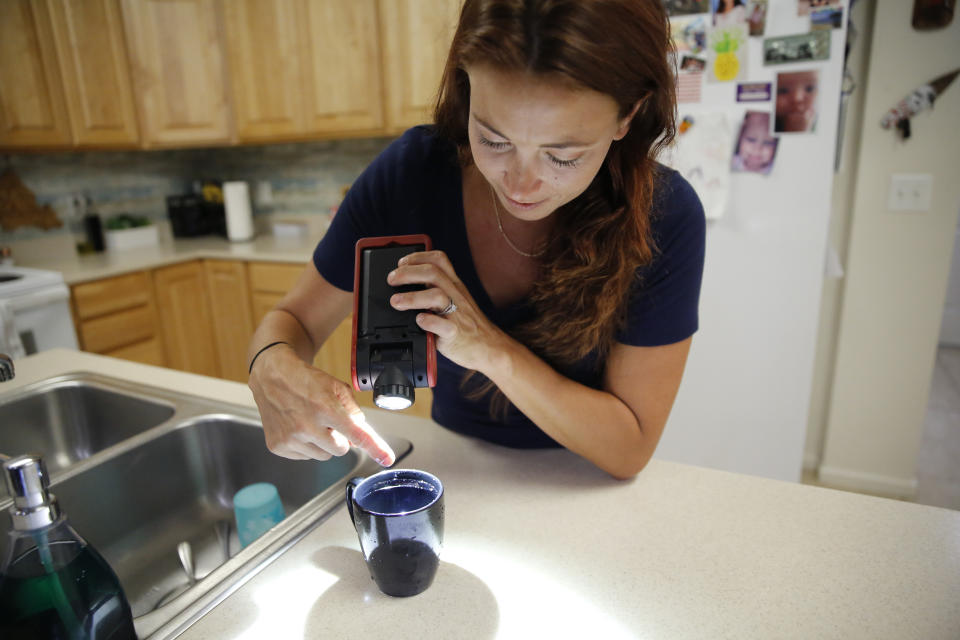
269, 282
263, 41
33, 112
341, 65
334, 356
96, 78
230, 308
176, 56
185, 320
416, 38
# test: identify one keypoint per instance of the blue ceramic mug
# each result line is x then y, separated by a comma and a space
398, 515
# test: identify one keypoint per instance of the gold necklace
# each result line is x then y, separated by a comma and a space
496, 210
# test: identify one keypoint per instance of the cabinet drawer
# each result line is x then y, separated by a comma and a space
147, 352
120, 329
273, 277
100, 297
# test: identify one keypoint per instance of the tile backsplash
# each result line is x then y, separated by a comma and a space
302, 177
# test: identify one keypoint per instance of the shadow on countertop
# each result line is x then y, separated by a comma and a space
457, 605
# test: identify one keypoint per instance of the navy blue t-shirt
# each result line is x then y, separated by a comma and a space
415, 186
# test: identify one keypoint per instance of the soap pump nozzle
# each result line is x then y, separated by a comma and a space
27, 481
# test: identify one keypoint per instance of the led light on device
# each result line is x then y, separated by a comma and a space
392, 390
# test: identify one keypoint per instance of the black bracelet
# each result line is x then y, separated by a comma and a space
257, 355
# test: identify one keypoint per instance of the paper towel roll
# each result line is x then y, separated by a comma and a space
236, 201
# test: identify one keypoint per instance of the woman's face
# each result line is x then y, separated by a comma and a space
537, 141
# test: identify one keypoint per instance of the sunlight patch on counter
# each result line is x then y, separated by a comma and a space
533, 604
286, 601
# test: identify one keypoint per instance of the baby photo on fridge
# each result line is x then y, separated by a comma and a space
797, 101
756, 147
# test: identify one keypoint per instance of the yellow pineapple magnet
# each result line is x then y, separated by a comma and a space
726, 44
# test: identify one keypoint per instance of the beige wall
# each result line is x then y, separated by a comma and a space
867, 413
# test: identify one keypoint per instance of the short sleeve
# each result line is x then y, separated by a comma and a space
381, 202
663, 306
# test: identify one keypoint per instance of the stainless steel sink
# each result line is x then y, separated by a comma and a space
149, 489
69, 419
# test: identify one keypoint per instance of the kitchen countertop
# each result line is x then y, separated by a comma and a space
542, 544
83, 268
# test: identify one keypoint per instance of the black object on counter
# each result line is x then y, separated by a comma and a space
398, 515
94, 230
190, 215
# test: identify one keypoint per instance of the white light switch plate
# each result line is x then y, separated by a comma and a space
910, 192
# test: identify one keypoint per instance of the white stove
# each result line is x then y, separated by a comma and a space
34, 311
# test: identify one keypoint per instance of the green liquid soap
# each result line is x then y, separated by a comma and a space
53, 585
80, 598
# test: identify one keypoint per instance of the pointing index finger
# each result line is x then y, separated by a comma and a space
363, 436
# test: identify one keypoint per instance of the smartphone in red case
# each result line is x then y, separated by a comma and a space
390, 353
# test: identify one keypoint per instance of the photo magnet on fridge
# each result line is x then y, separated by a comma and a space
757, 17
685, 7
729, 12
796, 104
756, 147
754, 92
689, 34
826, 19
802, 47
805, 6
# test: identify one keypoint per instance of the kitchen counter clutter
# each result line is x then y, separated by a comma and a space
542, 544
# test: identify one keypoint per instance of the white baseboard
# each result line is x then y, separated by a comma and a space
875, 483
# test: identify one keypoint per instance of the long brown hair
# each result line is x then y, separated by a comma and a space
616, 47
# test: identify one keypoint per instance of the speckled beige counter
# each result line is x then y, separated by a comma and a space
76, 268
541, 545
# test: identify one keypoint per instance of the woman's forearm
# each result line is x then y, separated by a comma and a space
592, 423
280, 325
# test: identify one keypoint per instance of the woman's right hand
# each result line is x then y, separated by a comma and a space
309, 414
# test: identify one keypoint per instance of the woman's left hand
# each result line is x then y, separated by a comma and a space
464, 335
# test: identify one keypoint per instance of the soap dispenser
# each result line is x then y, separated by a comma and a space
52, 583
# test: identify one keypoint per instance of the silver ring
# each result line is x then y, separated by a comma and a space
450, 308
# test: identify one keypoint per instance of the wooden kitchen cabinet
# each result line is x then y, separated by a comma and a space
303, 68
33, 110
416, 38
179, 75
186, 323
118, 317
341, 67
269, 282
264, 42
89, 42
229, 299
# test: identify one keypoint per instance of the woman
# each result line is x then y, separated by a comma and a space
727, 13
564, 282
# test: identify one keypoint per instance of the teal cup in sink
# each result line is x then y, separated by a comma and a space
257, 508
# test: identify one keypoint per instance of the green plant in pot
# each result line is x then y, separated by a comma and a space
126, 221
